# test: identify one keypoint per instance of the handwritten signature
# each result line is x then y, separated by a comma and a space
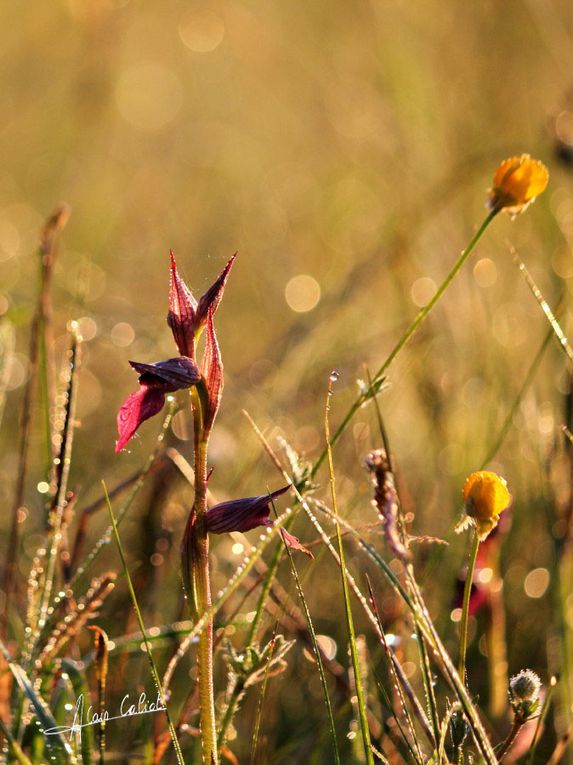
93, 717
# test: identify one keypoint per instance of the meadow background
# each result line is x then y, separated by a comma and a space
344, 150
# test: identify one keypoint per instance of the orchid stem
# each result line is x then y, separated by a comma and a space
466, 606
197, 563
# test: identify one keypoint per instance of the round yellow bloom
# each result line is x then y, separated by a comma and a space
516, 183
486, 496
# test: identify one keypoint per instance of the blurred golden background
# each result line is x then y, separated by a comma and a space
344, 150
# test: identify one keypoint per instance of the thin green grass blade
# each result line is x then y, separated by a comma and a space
319, 665
259, 713
402, 685
154, 673
79, 684
544, 305
56, 743
361, 702
14, 745
428, 684
388, 702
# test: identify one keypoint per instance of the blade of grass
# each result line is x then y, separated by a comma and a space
40, 353
348, 610
544, 305
317, 654
400, 681
60, 500
428, 684
14, 745
79, 684
41, 709
147, 644
259, 713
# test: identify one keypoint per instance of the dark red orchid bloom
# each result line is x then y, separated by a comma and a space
248, 513
187, 317
155, 381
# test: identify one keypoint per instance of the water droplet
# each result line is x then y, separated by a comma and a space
334, 375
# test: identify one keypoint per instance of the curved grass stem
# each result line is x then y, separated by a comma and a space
405, 339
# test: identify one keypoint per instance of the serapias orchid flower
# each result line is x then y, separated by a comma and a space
248, 513
187, 317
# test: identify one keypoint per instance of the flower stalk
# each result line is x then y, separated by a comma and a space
196, 557
466, 606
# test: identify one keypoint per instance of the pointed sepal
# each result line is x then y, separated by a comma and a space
182, 309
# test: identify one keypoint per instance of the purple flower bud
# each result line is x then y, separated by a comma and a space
246, 514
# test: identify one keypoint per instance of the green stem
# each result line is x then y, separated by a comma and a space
406, 337
196, 563
466, 607
232, 704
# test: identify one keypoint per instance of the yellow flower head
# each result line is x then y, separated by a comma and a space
516, 183
486, 497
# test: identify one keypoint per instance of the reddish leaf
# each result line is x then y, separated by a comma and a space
137, 408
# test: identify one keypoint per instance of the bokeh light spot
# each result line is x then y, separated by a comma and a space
422, 291
122, 334
302, 293
201, 30
485, 272
536, 583
148, 96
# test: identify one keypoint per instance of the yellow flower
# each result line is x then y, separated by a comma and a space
486, 497
516, 183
